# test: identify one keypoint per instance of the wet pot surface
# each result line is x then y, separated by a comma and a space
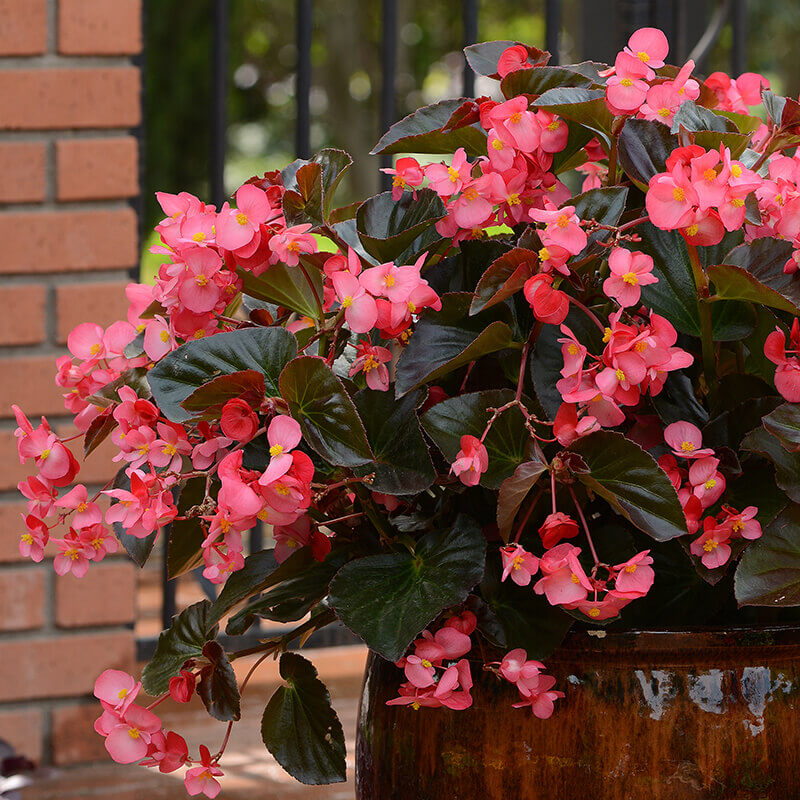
656, 716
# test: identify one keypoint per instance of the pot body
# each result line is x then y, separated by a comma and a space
646, 716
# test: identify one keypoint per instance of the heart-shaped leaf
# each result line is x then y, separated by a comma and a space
584, 106
503, 278
217, 686
389, 599
182, 371
183, 640
787, 465
422, 132
631, 481
784, 424
769, 571
303, 203
644, 147
300, 728
601, 205
447, 339
538, 80
319, 402
287, 287
209, 399
402, 464
514, 490
506, 443
692, 117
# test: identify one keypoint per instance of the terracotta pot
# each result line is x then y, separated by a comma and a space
656, 716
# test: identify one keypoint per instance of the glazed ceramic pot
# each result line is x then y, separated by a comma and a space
647, 716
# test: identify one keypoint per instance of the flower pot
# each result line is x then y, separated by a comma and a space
650, 715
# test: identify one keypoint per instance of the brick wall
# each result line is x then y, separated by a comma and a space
69, 97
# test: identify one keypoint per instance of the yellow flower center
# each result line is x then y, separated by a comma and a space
562, 221
81, 507
515, 117
389, 281
45, 454
544, 254
663, 112
282, 489
594, 612
26, 538
692, 230
710, 174
678, 194
133, 733
276, 450
398, 181
471, 194
452, 173
738, 526
643, 56
710, 544
710, 483
201, 280
687, 447
574, 578
553, 126
607, 335
164, 336
94, 349
199, 333
572, 349
737, 202
513, 199
241, 218
123, 693
626, 82
170, 450
370, 363
630, 568
425, 663
497, 144
620, 375
199, 237
631, 278
736, 170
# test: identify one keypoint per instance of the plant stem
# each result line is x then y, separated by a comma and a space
706, 331
527, 516
611, 178
553, 489
585, 525
577, 303
269, 647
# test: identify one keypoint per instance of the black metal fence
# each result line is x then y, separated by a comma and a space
611, 22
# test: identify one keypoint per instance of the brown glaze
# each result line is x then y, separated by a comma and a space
647, 716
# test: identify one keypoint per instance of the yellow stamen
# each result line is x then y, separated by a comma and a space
631, 278
276, 450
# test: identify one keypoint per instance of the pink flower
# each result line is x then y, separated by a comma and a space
564, 580
34, 540
567, 428
447, 181
549, 305
86, 512
708, 484
181, 687
203, 779
419, 671
453, 688
127, 740
290, 243
116, 689
538, 694
562, 227
743, 524
787, 375
198, 290
669, 200
407, 173
167, 751
238, 421
236, 228
686, 440
512, 59
472, 460
371, 360
73, 555
392, 282
712, 547
289, 538
283, 435
519, 564
360, 311
158, 338
634, 577
650, 46
515, 124
629, 272
515, 666
557, 526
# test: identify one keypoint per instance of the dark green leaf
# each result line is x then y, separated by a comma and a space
644, 147
601, 205
209, 399
397, 230
787, 465
677, 401
300, 728
538, 80
421, 132
514, 490
447, 339
303, 203
389, 599
769, 571
108, 395
730, 427
180, 372
630, 480
784, 424
319, 401
217, 686
186, 536
736, 283
692, 117
182, 641
765, 259
285, 286
506, 443
504, 277
402, 464
584, 106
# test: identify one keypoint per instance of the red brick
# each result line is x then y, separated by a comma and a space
23, 169
66, 241
37, 99
73, 735
23, 27
22, 599
23, 730
26, 324
99, 27
102, 303
97, 169
61, 666
105, 596
10, 529
29, 382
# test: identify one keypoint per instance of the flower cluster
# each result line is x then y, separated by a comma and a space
535, 689
787, 361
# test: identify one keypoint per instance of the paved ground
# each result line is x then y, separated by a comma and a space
250, 771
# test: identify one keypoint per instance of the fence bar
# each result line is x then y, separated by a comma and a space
469, 15
219, 99
552, 29
739, 48
389, 75
302, 134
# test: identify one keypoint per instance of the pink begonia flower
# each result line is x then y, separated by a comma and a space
466, 622
236, 228
555, 132
360, 311
626, 89
712, 547
406, 174
117, 690
98, 540
515, 665
167, 751
669, 200
195, 230
787, 374
512, 59
86, 342
686, 440
290, 243
472, 208
158, 338
168, 450
649, 45
448, 643
515, 124
538, 694
198, 290
203, 779
392, 282
238, 421
283, 435
662, 103
73, 555
564, 580
127, 741
557, 526
34, 540
86, 512
599, 610
562, 227
549, 305
567, 427
472, 460
371, 360
743, 524
519, 564
181, 687
709, 181
419, 671
629, 272
300, 534
447, 181
707, 482
452, 690
634, 577
501, 155
41, 495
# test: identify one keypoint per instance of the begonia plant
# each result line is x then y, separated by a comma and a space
550, 380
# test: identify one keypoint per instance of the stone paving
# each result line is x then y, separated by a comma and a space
251, 772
